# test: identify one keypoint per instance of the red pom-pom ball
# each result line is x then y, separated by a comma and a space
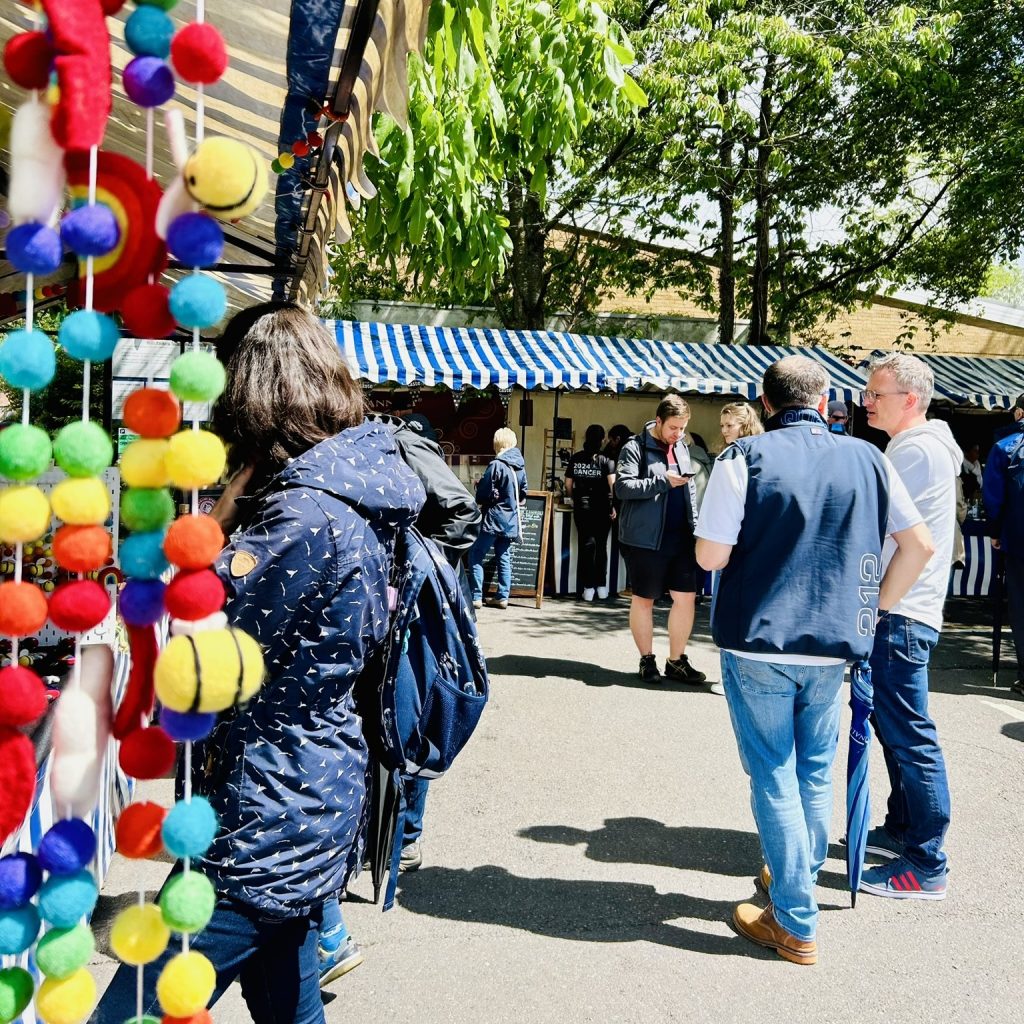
28, 58
82, 548
152, 412
147, 753
22, 696
79, 606
111, 7
300, 148
138, 830
194, 595
22, 609
193, 542
199, 54
146, 311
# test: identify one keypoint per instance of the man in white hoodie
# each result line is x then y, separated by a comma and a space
927, 460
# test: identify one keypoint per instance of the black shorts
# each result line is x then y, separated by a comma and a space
651, 573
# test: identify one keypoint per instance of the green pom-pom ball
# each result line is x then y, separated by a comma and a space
146, 509
61, 951
25, 452
187, 902
197, 377
16, 989
83, 449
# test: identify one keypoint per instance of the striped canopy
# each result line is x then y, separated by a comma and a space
987, 383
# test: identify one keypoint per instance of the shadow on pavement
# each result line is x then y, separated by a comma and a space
1014, 731
530, 667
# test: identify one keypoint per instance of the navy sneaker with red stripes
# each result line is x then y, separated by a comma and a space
901, 881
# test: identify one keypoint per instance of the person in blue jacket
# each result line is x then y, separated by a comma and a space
500, 495
317, 500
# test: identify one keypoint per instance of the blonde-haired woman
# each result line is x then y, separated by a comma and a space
501, 491
739, 420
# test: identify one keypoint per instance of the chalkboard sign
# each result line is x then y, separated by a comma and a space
531, 553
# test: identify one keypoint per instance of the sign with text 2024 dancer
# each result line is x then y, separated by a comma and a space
530, 554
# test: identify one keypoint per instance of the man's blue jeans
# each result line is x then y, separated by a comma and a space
786, 721
918, 810
503, 558
414, 797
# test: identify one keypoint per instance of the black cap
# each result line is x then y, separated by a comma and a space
418, 422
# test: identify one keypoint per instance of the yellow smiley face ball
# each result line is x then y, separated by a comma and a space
81, 501
226, 176
195, 458
186, 984
66, 1000
143, 464
230, 670
24, 514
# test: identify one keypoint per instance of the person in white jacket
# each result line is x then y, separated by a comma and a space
927, 459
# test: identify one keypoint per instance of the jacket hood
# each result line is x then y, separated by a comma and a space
513, 457
935, 431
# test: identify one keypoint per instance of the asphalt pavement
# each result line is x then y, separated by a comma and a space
582, 858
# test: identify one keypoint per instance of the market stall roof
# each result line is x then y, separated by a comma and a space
985, 382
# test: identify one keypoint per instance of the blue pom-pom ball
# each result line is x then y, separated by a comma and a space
90, 230
148, 81
148, 32
20, 878
142, 555
141, 602
34, 248
18, 929
27, 360
67, 847
186, 725
196, 239
87, 334
65, 899
189, 827
198, 301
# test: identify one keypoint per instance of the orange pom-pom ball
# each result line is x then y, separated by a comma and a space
79, 606
138, 830
194, 595
82, 548
193, 542
147, 753
152, 412
23, 609
202, 1017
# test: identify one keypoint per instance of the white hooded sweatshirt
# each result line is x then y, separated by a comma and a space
928, 461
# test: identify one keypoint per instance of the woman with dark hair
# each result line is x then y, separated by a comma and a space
316, 502
589, 479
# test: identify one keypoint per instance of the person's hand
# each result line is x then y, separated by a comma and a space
676, 480
615, 515
226, 509
996, 546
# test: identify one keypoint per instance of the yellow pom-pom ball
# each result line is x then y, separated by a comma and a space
24, 514
222, 680
286, 160
226, 176
82, 501
143, 464
186, 984
66, 1000
195, 458
139, 935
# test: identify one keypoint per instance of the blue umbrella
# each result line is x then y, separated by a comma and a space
858, 795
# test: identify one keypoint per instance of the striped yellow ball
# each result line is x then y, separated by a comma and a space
230, 670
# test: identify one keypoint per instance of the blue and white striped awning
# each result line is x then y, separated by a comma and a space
982, 381
461, 357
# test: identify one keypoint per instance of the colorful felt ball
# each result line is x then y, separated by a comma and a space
222, 681
164, 5
202, 1017
275, 167
67, 847
147, 753
195, 458
28, 57
142, 555
17, 780
187, 725
139, 934
82, 548
286, 160
66, 1000
62, 951
34, 248
20, 878
152, 412
25, 451
23, 609
194, 595
138, 830
148, 32
197, 376
24, 514
146, 509
189, 827
315, 140
79, 606
196, 239
141, 602
16, 988
86, 334
187, 902
148, 81
186, 984
65, 899
142, 463
27, 360
18, 929
147, 313
199, 54
83, 449
198, 301
90, 230
81, 501
193, 541
300, 147
22, 696
226, 176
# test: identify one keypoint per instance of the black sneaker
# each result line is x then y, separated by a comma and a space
649, 669
681, 671
1017, 686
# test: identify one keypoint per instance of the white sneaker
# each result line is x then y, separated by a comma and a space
588, 594
602, 593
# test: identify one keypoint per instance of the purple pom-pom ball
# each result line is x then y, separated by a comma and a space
34, 248
67, 847
141, 602
90, 230
187, 725
20, 878
148, 81
196, 239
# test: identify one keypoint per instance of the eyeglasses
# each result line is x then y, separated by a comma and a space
874, 396
838, 417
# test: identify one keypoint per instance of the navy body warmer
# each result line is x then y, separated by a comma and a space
804, 574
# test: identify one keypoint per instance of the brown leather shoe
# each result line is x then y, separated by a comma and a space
761, 927
764, 879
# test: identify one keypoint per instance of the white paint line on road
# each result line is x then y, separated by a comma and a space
1005, 707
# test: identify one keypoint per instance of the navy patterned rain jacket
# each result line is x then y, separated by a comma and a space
307, 576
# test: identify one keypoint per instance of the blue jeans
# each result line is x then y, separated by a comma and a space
274, 959
503, 557
786, 721
333, 931
414, 796
918, 809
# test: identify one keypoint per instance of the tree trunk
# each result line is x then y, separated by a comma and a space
525, 274
727, 234
759, 282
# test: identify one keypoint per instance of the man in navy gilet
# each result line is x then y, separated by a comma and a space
795, 518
